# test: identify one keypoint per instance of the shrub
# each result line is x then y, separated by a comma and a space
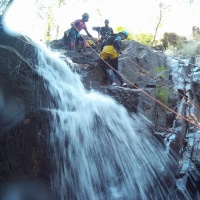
160, 71
143, 38
162, 93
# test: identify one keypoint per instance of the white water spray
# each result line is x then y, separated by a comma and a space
100, 151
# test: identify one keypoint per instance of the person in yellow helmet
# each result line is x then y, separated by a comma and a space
111, 48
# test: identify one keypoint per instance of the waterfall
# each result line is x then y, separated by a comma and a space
100, 151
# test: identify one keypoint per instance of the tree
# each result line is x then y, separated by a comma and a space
99, 13
50, 14
60, 3
50, 24
162, 8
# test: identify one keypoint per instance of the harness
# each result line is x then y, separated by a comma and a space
105, 31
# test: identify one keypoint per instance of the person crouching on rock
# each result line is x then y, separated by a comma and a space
74, 35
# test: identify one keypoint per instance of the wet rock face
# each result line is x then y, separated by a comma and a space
24, 150
24, 190
24, 138
126, 97
20, 85
139, 64
24, 125
14, 95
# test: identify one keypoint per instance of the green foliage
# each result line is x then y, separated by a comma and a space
60, 3
50, 25
48, 11
143, 38
120, 28
160, 71
162, 93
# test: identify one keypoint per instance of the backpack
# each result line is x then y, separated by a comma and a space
66, 38
90, 43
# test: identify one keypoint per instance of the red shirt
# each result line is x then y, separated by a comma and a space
80, 24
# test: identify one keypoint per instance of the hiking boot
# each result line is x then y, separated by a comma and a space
124, 85
114, 84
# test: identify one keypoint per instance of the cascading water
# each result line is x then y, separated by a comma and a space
100, 151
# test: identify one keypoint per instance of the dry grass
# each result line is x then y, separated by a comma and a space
189, 49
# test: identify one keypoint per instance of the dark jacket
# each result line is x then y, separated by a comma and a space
114, 40
106, 31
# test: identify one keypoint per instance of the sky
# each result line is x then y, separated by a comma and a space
139, 16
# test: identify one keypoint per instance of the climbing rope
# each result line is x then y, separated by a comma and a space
155, 78
179, 116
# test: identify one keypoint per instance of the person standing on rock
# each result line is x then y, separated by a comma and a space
111, 48
73, 37
104, 31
